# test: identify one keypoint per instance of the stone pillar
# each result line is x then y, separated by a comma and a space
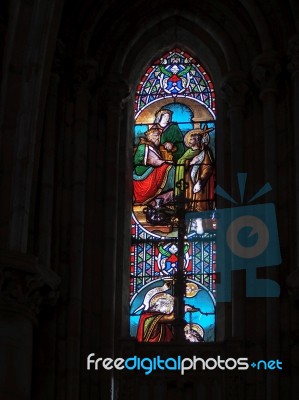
46, 237
266, 69
293, 278
24, 287
32, 27
234, 90
84, 78
48, 162
112, 98
293, 67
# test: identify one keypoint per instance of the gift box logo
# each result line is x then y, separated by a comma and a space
246, 238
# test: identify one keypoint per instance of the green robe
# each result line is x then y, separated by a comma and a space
180, 169
140, 171
173, 134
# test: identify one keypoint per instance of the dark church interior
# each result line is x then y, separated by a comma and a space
70, 70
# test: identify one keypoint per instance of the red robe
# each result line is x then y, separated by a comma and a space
150, 187
152, 176
155, 327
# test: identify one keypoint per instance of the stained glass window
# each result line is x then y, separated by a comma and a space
173, 202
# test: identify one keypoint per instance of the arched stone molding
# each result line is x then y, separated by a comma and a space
260, 24
159, 34
208, 54
218, 20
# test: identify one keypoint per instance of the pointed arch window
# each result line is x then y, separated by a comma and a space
173, 185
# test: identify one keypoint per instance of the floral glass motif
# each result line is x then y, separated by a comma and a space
175, 74
174, 158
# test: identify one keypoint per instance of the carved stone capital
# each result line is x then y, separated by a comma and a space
85, 74
115, 93
25, 285
234, 89
265, 71
293, 55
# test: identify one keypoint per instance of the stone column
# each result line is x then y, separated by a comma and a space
234, 90
293, 67
84, 78
266, 69
112, 97
46, 237
34, 28
24, 287
293, 278
48, 162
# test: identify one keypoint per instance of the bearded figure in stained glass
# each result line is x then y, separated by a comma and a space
196, 167
155, 323
153, 177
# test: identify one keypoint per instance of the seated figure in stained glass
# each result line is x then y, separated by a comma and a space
171, 137
153, 177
